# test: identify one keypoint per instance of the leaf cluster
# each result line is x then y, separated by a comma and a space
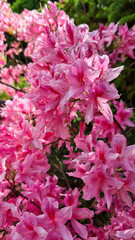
19, 5
94, 12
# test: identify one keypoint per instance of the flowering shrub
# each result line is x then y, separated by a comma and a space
87, 191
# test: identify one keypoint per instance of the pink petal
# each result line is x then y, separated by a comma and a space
113, 73
79, 228
64, 214
82, 213
2, 169
118, 143
126, 198
126, 234
65, 233
37, 144
105, 109
89, 114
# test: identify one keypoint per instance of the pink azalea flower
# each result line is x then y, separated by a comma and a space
54, 219
71, 199
28, 228
99, 178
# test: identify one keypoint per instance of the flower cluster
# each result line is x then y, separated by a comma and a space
70, 74
122, 39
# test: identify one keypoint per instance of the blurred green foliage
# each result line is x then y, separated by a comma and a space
19, 5
4, 96
91, 12
94, 12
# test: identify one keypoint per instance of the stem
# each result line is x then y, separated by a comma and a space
71, 130
115, 120
127, 90
13, 189
130, 130
2, 102
130, 65
40, 6
64, 140
20, 194
63, 173
15, 88
24, 54
84, 10
53, 142
6, 177
74, 103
